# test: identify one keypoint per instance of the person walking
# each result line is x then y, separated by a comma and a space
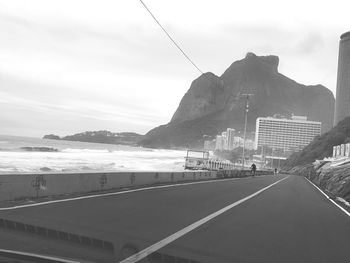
253, 169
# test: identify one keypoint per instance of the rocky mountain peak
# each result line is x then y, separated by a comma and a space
254, 63
250, 55
264, 60
213, 103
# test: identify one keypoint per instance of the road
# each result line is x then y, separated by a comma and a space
290, 221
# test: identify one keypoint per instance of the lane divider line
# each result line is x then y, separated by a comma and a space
114, 193
339, 206
149, 250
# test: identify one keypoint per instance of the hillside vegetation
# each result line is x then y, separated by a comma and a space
321, 146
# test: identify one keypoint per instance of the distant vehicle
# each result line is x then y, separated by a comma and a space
200, 160
196, 160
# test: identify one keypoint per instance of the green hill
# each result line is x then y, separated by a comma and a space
321, 146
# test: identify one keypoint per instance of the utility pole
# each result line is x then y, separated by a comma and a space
246, 96
262, 156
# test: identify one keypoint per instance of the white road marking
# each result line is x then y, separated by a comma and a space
115, 193
149, 250
341, 208
38, 256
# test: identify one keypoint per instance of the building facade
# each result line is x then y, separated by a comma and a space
227, 141
341, 151
342, 102
224, 141
230, 138
286, 134
219, 143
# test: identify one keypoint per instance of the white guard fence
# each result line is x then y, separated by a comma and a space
342, 150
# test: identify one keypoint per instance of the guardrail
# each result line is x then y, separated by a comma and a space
342, 150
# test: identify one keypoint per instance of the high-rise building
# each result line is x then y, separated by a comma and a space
230, 138
237, 142
342, 102
286, 134
224, 141
219, 143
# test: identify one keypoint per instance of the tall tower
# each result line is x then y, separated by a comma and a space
342, 102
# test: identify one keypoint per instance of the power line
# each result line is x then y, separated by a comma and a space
172, 40
236, 97
183, 52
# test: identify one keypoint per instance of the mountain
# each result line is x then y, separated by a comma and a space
52, 137
127, 138
214, 103
321, 146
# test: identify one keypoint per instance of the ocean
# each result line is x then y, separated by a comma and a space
26, 154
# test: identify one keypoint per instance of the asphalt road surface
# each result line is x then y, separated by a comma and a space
276, 218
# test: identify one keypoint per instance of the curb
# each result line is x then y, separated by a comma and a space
341, 208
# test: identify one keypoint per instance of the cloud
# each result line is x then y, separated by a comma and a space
108, 65
132, 49
312, 42
66, 109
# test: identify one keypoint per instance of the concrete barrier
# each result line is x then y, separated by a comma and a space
240, 173
20, 186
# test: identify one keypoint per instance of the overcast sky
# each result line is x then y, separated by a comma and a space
71, 66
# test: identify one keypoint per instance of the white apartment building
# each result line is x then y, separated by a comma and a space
219, 143
230, 138
224, 140
228, 141
287, 134
237, 142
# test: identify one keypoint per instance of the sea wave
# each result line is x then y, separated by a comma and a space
29, 155
30, 149
38, 149
72, 150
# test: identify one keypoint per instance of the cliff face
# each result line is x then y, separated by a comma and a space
334, 180
214, 103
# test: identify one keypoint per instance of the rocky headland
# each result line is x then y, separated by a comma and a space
214, 103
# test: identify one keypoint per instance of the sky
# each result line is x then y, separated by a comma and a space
78, 65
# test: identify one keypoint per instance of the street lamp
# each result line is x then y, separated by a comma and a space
246, 96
